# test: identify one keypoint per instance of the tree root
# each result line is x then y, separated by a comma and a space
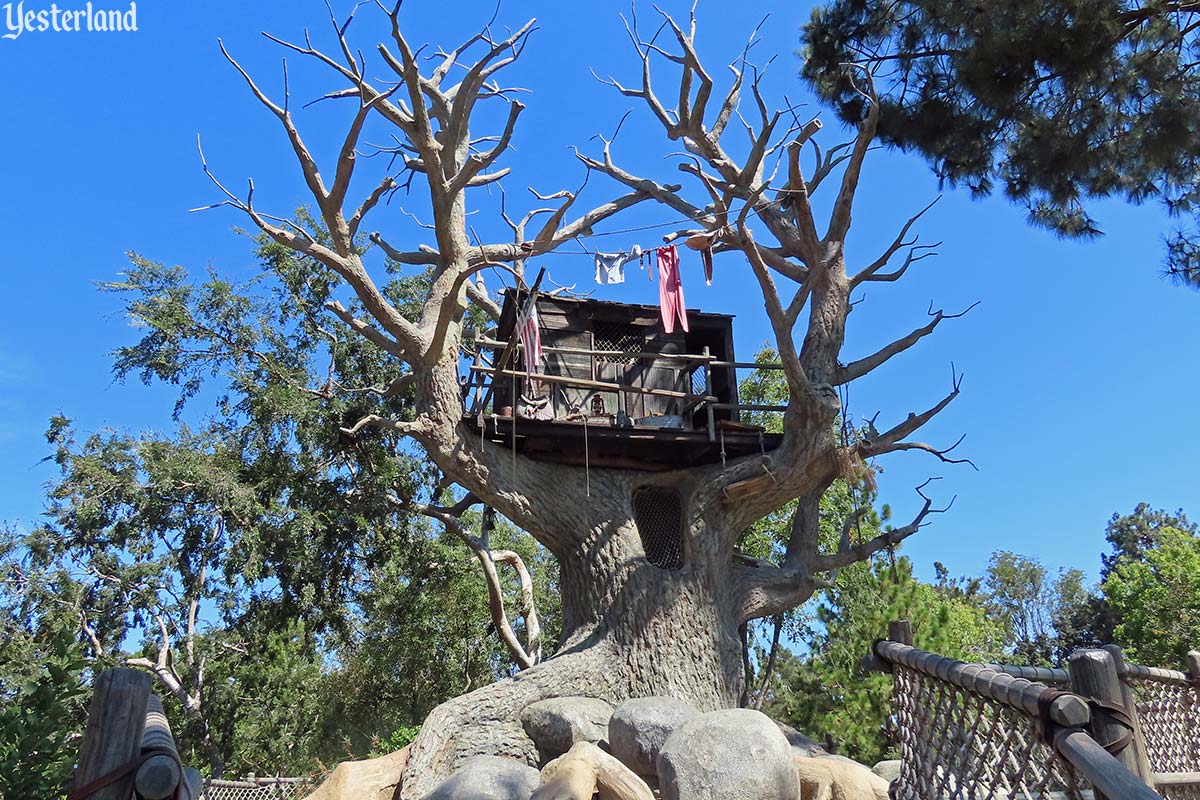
586, 768
487, 720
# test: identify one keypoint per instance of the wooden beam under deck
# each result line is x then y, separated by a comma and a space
649, 449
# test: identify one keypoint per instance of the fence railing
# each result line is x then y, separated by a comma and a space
1001, 731
694, 390
254, 788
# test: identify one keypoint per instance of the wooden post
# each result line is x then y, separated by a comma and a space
900, 630
708, 384
113, 736
1139, 740
159, 776
1094, 675
1193, 664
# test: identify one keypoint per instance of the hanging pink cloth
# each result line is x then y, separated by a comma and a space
670, 290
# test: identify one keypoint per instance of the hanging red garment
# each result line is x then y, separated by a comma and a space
530, 337
670, 290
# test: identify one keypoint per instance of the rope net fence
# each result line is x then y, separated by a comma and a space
1168, 709
956, 743
258, 789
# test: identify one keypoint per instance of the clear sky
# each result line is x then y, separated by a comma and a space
1079, 362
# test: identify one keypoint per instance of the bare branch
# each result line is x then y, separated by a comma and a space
897, 244
848, 553
839, 222
857, 369
886, 442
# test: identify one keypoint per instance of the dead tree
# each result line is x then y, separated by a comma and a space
629, 629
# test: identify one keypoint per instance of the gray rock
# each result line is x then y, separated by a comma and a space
488, 778
888, 770
803, 745
739, 754
556, 724
639, 728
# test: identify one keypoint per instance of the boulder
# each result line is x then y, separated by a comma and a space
888, 770
835, 778
638, 729
738, 754
802, 745
556, 724
372, 779
488, 778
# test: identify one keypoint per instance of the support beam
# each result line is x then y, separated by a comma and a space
1094, 676
113, 737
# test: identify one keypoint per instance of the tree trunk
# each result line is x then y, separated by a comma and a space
630, 630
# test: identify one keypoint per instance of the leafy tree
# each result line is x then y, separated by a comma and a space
846, 506
826, 692
1131, 535
344, 406
42, 710
1155, 599
1041, 612
256, 561
1060, 103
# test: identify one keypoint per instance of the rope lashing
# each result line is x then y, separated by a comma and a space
1116, 712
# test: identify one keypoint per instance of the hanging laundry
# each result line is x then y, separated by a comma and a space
704, 243
670, 290
610, 267
530, 336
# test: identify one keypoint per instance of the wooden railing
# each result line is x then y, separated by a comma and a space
481, 375
1128, 731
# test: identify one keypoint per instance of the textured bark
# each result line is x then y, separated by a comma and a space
631, 630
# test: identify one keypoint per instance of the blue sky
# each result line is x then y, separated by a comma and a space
1078, 361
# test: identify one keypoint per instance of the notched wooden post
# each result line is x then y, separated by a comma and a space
901, 631
1094, 675
1142, 758
113, 736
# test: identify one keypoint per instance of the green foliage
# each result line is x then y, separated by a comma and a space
1059, 102
1156, 599
42, 711
827, 692
1042, 613
399, 739
768, 537
1131, 535
307, 609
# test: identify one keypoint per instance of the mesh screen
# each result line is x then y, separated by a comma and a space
658, 513
698, 381
957, 744
617, 336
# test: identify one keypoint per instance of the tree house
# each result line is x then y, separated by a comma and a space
613, 389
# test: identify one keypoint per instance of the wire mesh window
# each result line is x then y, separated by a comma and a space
658, 513
698, 381
618, 336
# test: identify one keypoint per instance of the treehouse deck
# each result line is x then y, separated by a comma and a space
612, 389
642, 448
